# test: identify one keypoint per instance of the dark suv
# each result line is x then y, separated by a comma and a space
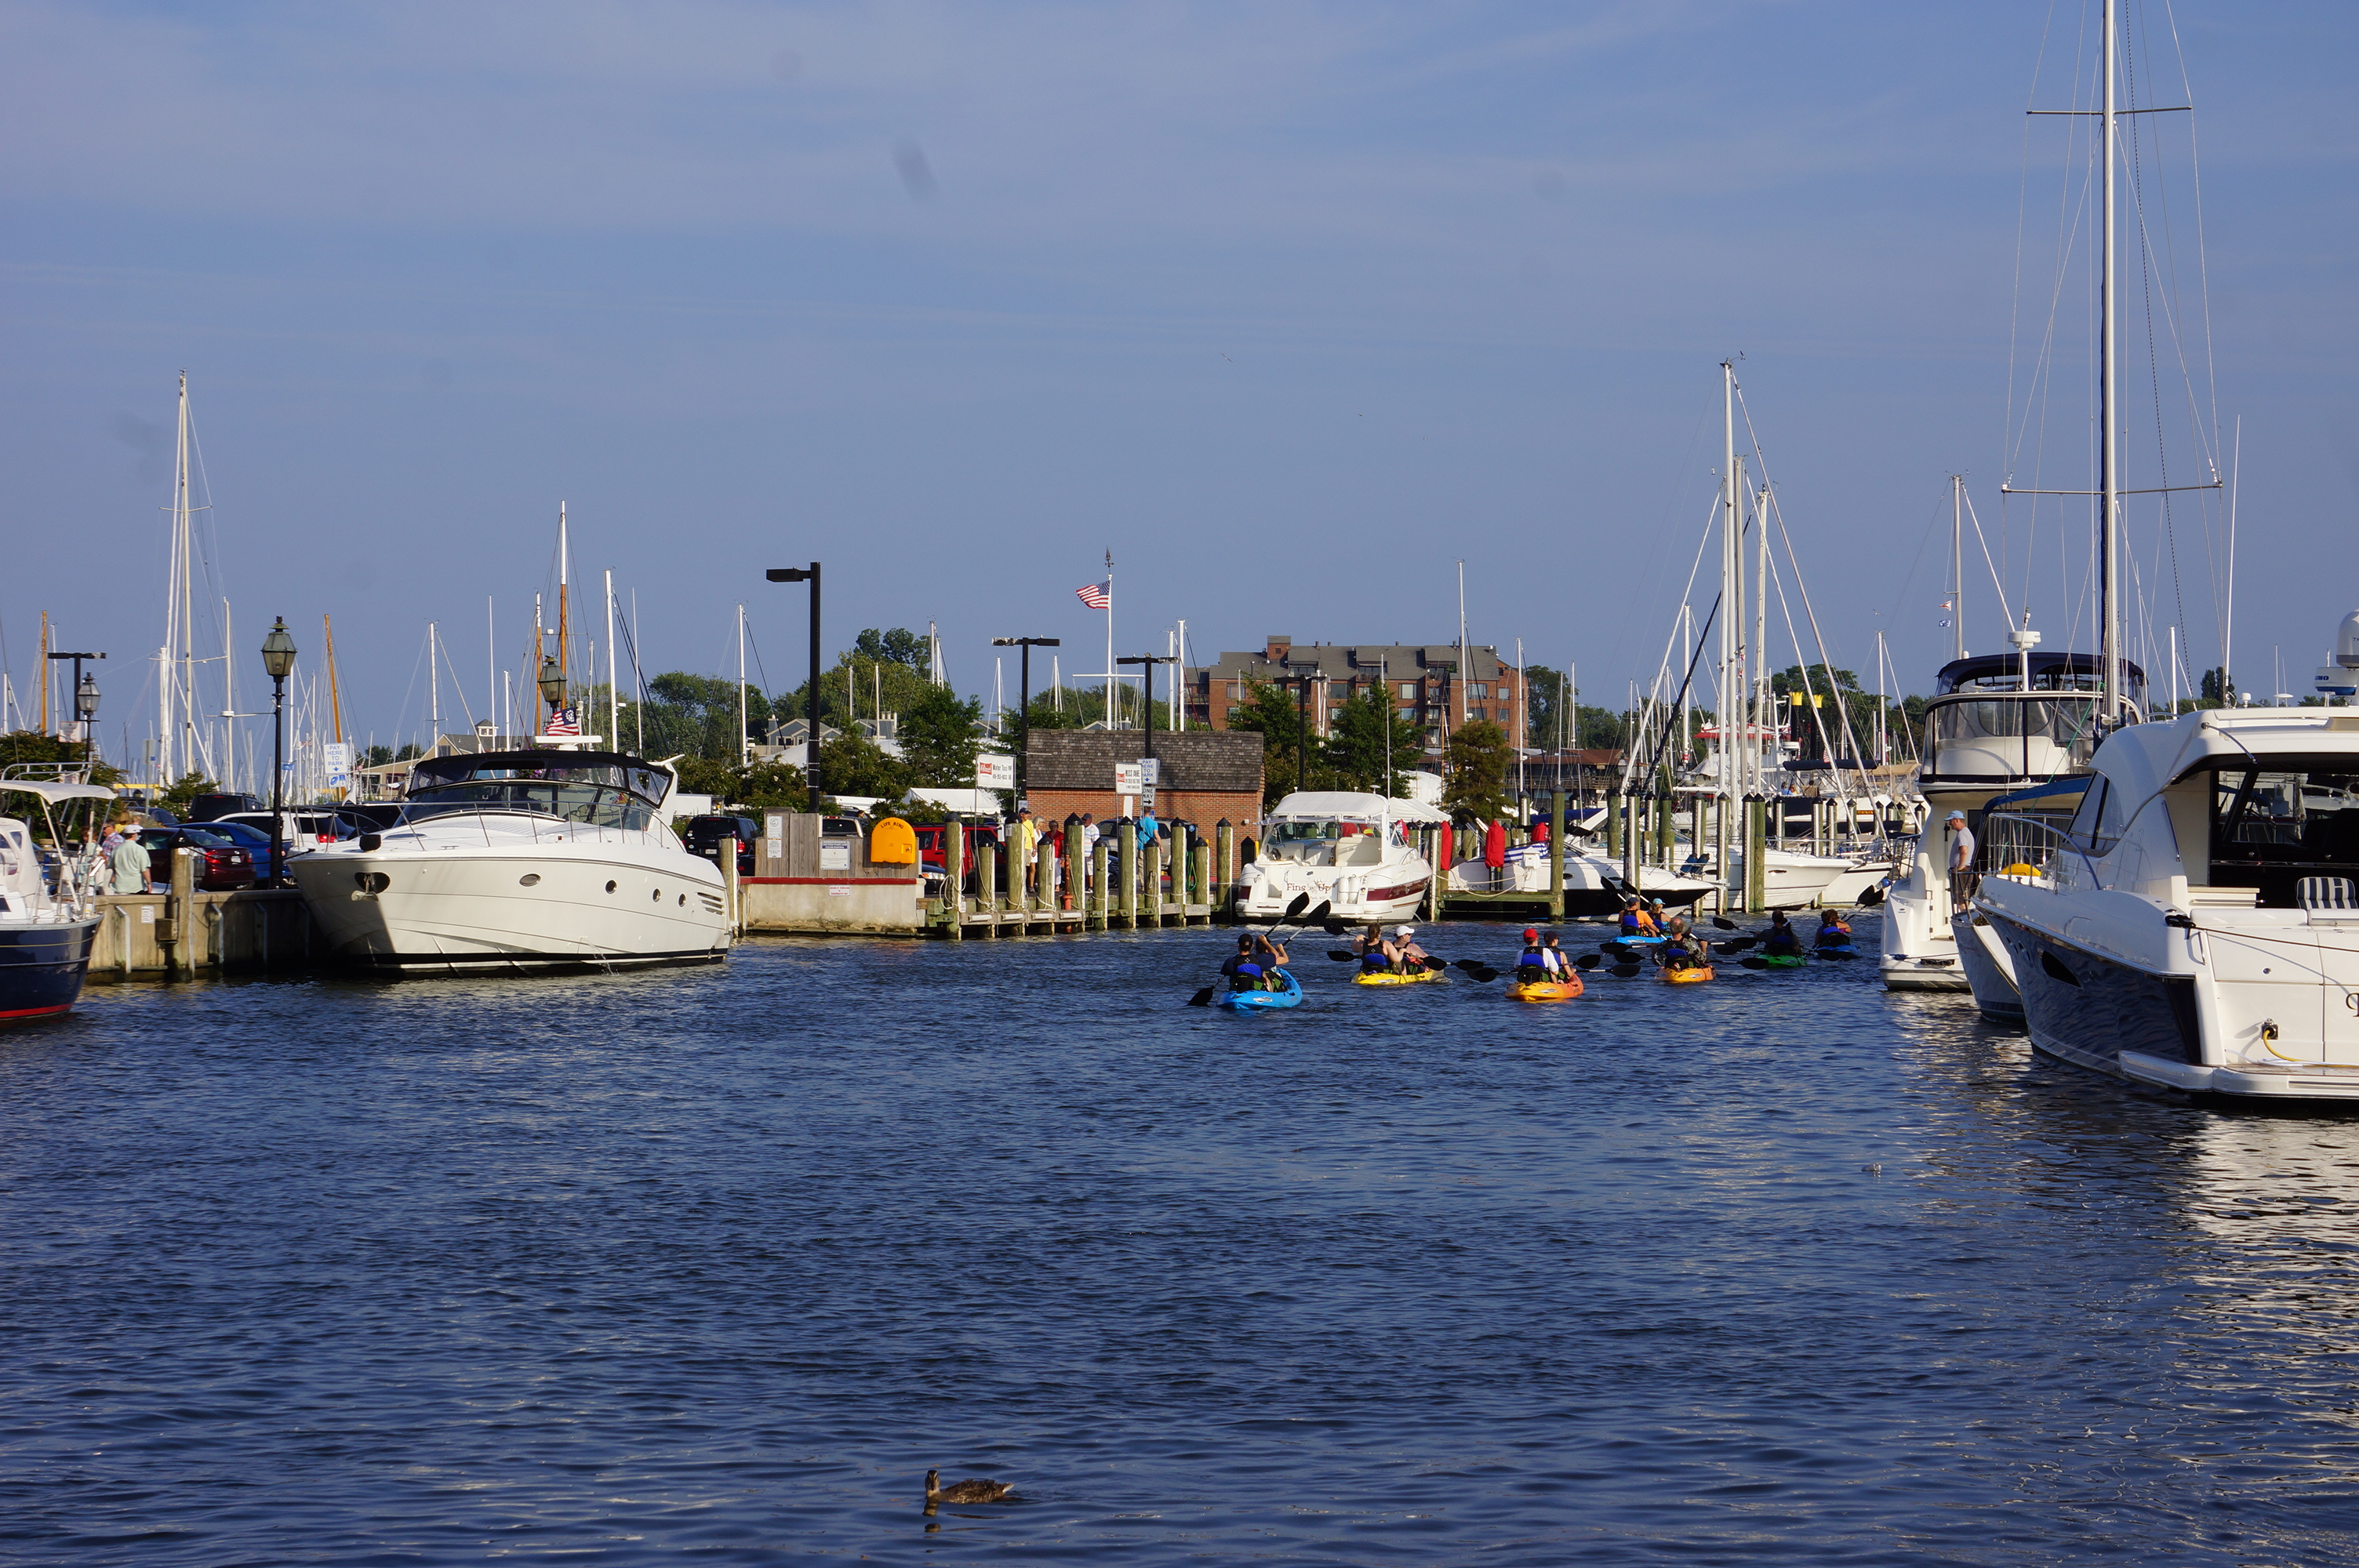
214, 807
706, 836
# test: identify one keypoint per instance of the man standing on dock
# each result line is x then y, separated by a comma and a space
1961, 860
1024, 841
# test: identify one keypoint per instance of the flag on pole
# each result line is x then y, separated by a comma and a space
1096, 595
564, 721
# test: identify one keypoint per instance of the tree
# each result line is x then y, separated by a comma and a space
1355, 750
28, 748
409, 750
1476, 771
770, 786
940, 732
1289, 754
900, 646
853, 764
377, 756
1824, 682
2215, 681
1544, 697
184, 792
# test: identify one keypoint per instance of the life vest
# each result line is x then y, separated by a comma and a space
1373, 960
1533, 959
1631, 918
1247, 977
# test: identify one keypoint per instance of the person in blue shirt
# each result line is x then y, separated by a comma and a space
1148, 828
1532, 963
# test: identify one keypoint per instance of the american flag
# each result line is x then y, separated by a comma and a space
1096, 595
564, 721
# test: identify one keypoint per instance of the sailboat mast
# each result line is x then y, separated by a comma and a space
564, 571
742, 758
1958, 565
1729, 585
614, 693
2109, 453
1760, 682
433, 682
335, 692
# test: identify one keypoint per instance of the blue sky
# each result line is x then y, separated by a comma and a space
1291, 307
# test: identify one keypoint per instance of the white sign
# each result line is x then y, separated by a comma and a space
338, 755
835, 855
1129, 778
995, 772
1151, 770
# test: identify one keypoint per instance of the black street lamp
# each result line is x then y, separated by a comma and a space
85, 691
552, 687
1150, 661
810, 746
279, 662
1024, 698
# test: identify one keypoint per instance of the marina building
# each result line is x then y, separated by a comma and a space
1423, 680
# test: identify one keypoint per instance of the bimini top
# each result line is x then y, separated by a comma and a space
1350, 805
54, 793
2050, 672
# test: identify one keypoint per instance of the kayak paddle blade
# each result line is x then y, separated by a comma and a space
1625, 971
1341, 955
1202, 998
1724, 923
1587, 961
1302, 901
1757, 963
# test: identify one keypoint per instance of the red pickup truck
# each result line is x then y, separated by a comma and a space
932, 847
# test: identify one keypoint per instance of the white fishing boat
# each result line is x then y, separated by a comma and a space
1356, 852
2197, 926
48, 917
523, 860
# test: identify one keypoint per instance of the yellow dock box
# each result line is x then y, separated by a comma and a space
893, 843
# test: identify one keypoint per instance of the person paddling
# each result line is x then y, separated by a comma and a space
1782, 940
1833, 930
1377, 956
1253, 966
1405, 950
1682, 948
1560, 966
1532, 963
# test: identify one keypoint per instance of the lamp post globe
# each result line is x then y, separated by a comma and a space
279, 662
553, 683
86, 698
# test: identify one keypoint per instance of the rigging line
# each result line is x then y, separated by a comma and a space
1802, 666
2022, 216
457, 690
1810, 614
2067, 226
410, 690
2153, 362
1999, 585
1670, 500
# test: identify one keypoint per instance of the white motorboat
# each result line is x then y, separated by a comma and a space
49, 922
1983, 958
1593, 885
523, 860
2196, 926
1356, 852
1791, 880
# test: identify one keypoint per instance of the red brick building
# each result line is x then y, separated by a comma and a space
1422, 679
1205, 777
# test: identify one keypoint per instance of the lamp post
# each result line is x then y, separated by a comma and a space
552, 687
85, 692
1150, 661
1024, 699
810, 748
279, 662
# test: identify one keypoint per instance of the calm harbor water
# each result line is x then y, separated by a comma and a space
717, 1263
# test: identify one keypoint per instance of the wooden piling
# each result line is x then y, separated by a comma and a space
986, 888
1045, 879
1556, 854
954, 876
1151, 877
180, 916
1095, 898
1202, 856
1756, 857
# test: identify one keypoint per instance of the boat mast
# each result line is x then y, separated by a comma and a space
1731, 585
2109, 455
1760, 684
433, 688
614, 698
564, 628
741, 686
1958, 566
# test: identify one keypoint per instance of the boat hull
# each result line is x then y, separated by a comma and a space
1693, 975
1386, 978
566, 903
1989, 969
1544, 990
1261, 1001
42, 966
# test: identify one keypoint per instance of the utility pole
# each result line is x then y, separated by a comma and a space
810, 748
1024, 702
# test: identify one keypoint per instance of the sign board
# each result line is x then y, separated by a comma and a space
835, 854
995, 772
338, 755
1129, 778
1151, 770
774, 836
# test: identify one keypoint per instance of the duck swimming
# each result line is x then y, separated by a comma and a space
965, 1491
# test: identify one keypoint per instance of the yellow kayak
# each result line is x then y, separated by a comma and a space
1386, 977
1693, 975
1546, 990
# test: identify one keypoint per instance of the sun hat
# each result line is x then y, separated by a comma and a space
1403, 930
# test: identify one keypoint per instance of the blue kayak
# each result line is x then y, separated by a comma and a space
1836, 949
1261, 1001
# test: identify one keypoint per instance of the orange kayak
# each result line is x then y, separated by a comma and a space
1546, 990
1693, 975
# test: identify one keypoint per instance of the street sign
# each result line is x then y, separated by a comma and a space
338, 755
1129, 778
995, 772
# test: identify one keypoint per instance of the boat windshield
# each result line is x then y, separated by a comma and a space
2273, 825
605, 792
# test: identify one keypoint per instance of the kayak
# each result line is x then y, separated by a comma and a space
1544, 990
1639, 941
1839, 949
1387, 977
1694, 974
1785, 960
1261, 1001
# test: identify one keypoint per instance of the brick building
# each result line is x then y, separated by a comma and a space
1426, 686
1205, 777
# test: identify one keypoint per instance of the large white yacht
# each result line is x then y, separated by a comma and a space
48, 917
521, 860
1356, 852
2196, 926
1997, 723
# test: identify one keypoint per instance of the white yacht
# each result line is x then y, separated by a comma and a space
1983, 958
1997, 723
521, 860
2196, 926
1593, 885
1356, 852
48, 918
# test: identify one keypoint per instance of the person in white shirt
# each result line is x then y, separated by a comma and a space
1961, 860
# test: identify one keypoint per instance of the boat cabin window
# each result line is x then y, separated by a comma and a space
2062, 720
2278, 820
604, 794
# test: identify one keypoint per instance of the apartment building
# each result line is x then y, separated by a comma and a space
1423, 680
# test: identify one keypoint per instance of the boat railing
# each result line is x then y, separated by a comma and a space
2027, 849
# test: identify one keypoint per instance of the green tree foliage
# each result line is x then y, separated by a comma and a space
940, 732
28, 748
1291, 756
1355, 751
1585, 727
770, 786
1826, 682
853, 764
1476, 771
377, 756
2215, 682
184, 792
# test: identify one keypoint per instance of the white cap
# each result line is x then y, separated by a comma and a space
1955, 816
1403, 930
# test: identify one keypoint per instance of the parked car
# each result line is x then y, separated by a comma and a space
933, 847
256, 841
374, 816
214, 807
307, 828
225, 864
705, 835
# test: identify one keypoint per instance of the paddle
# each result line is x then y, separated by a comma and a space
1302, 901
1624, 970
1755, 963
1587, 961
1723, 925
1871, 898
